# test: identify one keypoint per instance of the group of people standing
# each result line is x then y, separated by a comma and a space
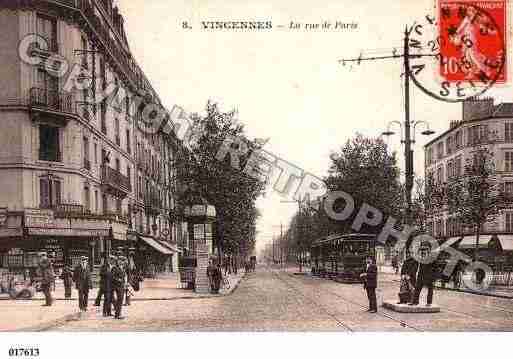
118, 276
414, 277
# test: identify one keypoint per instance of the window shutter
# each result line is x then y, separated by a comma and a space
44, 192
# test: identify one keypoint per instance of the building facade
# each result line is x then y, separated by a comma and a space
482, 123
78, 174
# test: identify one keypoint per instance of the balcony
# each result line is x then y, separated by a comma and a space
50, 101
115, 183
52, 48
50, 155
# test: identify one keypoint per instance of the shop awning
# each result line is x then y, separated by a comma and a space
170, 246
156, 245
470, 241
506, 242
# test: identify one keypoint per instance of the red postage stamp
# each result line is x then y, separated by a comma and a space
472, 40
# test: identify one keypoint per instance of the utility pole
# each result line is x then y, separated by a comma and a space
408, 141
281, 244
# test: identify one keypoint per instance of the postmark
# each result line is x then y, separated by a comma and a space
461, 51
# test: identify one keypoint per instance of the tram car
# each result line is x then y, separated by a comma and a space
342, 256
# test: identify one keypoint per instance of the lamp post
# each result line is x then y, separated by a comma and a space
408, 139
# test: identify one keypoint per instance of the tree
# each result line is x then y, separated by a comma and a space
232, 192
365, 169
474, 197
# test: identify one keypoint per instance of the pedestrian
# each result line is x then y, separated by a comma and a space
130, 273
425, 278
101, 292
395, 264
211, 269
67, 279
106, 286
218, 277
370, 282
408, 278
83, 282
118, 287
46, 274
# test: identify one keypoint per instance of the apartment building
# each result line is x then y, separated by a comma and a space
482, 123
78, 175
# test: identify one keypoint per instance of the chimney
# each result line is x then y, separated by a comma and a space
477, 108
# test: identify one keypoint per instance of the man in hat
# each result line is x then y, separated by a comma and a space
83, 282
106, 286
67, 279
425, 277
118, 286
370, 282
46, 274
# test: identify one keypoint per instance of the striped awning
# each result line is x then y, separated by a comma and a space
156, 245
470, 241
506, 241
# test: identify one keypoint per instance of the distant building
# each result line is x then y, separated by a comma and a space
78, 178
482, 122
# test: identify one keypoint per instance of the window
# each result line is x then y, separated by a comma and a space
440, 175
448, 145
49, 146
105, 204
508, 132
48, 89
458, 140
440, 150
457, 167
450, 169
47, 28
103, 116
430, 155
508, 188
508, 161
87, 163
129, 174
96, 202
118, 205
116, 131
128, 147
49, 192
509, 221
477, 134
87, 199
96, 153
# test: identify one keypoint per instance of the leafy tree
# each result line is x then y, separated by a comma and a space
232, 192
474, 198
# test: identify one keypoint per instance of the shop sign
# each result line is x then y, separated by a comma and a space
71, 232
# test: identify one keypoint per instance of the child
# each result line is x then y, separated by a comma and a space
405, 290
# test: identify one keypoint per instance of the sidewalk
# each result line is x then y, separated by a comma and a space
30, 315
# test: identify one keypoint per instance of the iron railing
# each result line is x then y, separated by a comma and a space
51, 100
115, 179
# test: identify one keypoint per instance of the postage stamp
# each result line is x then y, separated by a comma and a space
472, 40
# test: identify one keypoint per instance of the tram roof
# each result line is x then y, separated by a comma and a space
343, 237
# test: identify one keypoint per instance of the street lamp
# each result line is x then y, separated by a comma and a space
408, 139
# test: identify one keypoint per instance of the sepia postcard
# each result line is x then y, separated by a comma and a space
270, 166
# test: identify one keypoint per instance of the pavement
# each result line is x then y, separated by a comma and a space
30, 315
273, 299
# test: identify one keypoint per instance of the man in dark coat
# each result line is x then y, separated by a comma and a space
67, 279
425, 278
46, 275
83, 282
118, 287
370, 282
106, 286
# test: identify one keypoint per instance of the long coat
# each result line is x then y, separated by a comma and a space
106, 277
118, 277
426, 274
371, 279
46, 273
82, 278
410, 268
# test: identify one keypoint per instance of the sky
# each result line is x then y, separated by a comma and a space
287, 84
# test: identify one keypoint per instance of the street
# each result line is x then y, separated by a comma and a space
278, 300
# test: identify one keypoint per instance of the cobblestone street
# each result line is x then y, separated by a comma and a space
273, 300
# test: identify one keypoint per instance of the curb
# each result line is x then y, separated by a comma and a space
477, 293
50, 324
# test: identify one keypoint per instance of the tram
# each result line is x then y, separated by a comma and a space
342, 256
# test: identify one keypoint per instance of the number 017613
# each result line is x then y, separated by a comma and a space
23, 352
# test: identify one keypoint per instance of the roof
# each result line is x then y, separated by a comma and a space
338, 236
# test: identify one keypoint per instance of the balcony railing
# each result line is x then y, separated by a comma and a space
51, 100
116, 181
49, 155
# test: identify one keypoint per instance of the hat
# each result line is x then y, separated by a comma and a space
83, 257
